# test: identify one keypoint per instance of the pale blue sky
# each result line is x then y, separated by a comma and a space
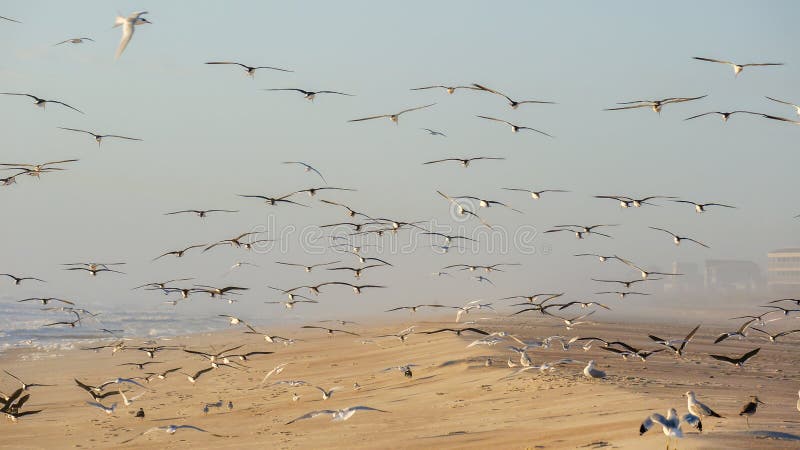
210, 133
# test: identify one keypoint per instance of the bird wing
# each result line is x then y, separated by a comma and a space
414, 109
642, 105
712, 60
693, 420
64, 104
127, 33
311, 415
369, 118
761, 64
494, 119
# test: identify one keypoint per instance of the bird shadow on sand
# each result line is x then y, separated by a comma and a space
764, 434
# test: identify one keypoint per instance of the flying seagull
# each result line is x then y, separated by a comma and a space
701, 207
79, 40
465, 162
200, 212
249, 71
128, 27
739, 362
737, 68
307, 168
99, 137
655, 105
512, 103
393, 117
18, 280
309, 95
449, 89
336, 415
536, 195
434, 132
725, 115
514, 128
40, 102
678, 239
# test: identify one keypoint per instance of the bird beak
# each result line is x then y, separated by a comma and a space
759, 401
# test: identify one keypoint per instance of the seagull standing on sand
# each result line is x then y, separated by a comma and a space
699, 409
591, 372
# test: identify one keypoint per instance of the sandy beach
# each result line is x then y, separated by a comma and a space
453, 400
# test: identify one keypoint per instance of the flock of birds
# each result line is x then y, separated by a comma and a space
360, 225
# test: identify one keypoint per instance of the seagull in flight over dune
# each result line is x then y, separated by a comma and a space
330, 331
655, 105
676, 345
172, 429
307, 167
336, 415
99, 137
514, 128
737, 361
678, 239
393, 117
310, 95
40, 102
512, 103
250, 71
78, 40
128, 27
737, 68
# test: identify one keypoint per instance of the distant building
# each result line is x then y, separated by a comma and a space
783, 275
732, 275
690, 280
